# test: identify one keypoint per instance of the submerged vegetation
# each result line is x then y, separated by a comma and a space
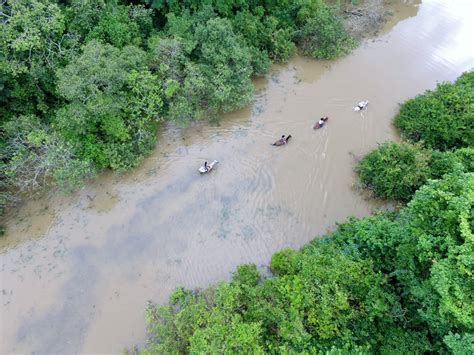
84, 83
396, 282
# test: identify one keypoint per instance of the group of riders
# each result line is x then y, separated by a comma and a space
284, 139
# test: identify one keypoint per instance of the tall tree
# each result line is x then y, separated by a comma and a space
113, 104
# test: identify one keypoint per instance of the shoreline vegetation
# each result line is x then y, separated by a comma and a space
394, 282
84, 84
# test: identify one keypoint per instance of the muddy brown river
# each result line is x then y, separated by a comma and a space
77, 271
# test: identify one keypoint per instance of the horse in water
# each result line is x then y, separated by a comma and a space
282, 141
322, 121
361, 105
207, 167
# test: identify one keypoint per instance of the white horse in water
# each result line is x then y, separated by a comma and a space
361, 105
207, 167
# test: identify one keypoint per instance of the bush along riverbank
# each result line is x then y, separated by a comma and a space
398, 282
84, 83
440, 123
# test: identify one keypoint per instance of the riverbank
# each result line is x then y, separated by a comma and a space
104, 252
360, 20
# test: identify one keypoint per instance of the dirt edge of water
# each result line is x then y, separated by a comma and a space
366, 19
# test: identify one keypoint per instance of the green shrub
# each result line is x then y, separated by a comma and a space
395, 170
217, 79
256, 36
37, 155
322, 33
283, 262
442, 118
442, 163
324, 303
466, 157
116, 27
247, 275
436, 254
375, 238
113, 104
462, 344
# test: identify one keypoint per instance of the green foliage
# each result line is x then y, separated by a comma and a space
460, 344
316, 306
283, 262
113, 103
428, 249
322, 34
266, 36
395, 170
218, 77
443, 118
374, 238
36, 154
121, 26
466, 157
256, 35
227, 335
224, 61
440, 271
31, 28
82, 16
272, 28
442, 163
32, 45
247, 275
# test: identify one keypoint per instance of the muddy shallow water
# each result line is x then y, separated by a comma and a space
76, 271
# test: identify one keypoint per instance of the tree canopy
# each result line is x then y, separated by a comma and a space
442, 118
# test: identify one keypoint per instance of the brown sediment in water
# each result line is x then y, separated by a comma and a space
126, 239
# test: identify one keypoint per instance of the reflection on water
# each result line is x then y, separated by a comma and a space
401, 9
127, 239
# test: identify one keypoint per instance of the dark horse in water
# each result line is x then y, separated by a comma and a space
283, 140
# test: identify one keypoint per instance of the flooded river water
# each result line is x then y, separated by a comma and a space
77, 271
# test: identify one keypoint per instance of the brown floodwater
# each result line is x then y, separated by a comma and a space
77, 271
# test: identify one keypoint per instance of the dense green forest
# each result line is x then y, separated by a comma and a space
84, 83
394, 283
